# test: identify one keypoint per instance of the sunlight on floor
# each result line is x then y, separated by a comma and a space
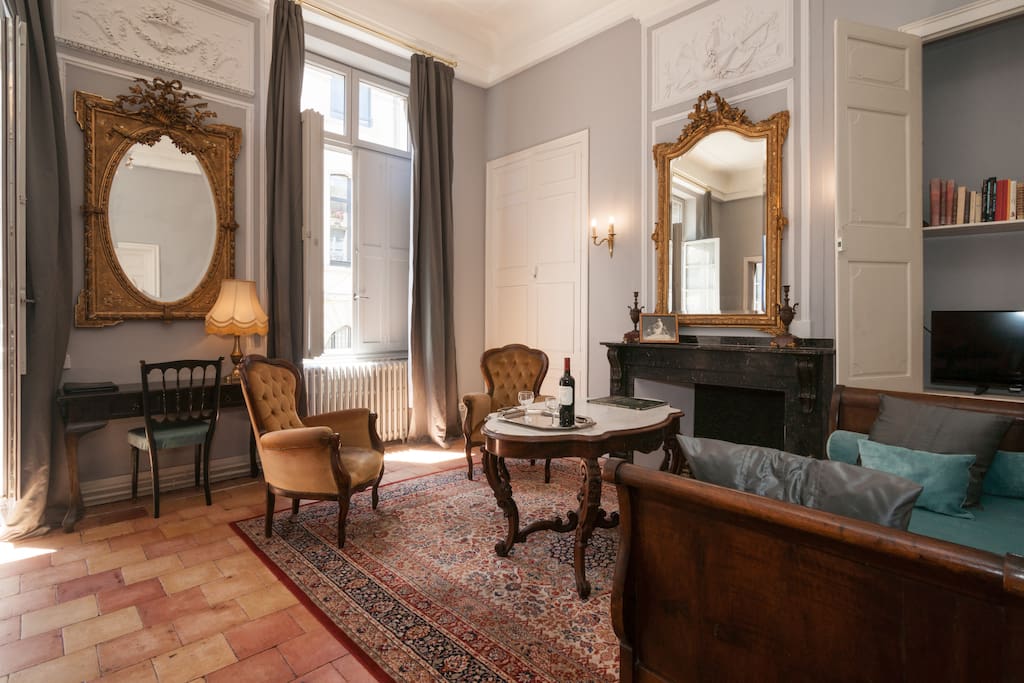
422, 456
10, 553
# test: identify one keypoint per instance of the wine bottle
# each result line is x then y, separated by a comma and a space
566, 399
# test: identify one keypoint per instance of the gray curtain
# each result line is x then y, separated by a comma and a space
284, 184
435, 410
43, 472
705, 228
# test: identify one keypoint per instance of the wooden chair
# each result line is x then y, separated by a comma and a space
179, 409
507, 371
320, 457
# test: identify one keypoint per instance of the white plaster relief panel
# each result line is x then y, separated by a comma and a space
180, 37
722, 44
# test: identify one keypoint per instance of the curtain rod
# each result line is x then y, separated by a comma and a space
377, 32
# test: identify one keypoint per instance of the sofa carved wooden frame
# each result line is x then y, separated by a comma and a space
713, 584
151, 111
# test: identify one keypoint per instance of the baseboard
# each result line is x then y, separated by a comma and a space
117, 488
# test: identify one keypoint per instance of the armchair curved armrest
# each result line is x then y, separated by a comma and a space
356, 426
303, 459
478, 407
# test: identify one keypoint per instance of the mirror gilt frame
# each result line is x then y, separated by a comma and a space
111, 127
703, 121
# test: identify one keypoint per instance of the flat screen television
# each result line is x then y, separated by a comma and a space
981, 348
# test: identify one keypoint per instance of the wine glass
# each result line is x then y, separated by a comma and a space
525, 398
551, 403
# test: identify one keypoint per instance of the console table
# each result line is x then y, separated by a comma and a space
804, 376
85, 412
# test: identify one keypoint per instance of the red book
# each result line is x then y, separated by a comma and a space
950, 193
933, 201
1002, 195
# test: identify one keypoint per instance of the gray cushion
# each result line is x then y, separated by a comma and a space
937, 429
834, 487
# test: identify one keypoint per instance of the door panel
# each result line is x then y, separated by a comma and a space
536, 258
879, 256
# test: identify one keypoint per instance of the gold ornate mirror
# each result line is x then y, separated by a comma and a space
159, 205
718, 239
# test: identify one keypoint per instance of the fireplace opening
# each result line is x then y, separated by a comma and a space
749, 416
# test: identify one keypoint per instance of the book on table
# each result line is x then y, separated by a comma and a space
628, 402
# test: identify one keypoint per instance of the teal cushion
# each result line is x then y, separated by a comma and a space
944, 476
996, 526
842, 446
170, 437
1005, 477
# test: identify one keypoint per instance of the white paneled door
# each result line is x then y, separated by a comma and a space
536, 282
879, 257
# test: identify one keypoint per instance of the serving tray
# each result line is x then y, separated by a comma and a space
545, 420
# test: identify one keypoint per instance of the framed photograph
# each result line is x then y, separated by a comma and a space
658, 328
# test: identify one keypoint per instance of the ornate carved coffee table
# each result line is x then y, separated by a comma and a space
615, 429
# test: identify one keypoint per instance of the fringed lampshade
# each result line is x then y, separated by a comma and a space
237, 311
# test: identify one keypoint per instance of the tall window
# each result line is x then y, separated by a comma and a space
361, 309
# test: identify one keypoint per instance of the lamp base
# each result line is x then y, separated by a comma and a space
236, 358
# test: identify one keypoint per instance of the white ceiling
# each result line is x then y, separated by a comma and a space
494, 39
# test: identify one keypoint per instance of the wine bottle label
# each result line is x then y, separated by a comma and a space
565, 396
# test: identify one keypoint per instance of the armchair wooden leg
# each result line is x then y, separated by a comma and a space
469, 459
206, 471
342, 517
268, 522
547, 471
374, 497
295, 506
198, 457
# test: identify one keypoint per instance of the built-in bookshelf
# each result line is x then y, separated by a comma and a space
984, 228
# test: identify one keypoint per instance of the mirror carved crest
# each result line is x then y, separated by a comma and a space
718, 237
137, 241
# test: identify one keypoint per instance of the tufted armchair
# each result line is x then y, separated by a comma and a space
507, 371
319, 457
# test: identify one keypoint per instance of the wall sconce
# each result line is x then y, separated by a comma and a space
610, 239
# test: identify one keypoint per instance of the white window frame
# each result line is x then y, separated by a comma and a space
314, 242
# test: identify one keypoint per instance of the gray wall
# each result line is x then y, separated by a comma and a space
113, 353
592, 86
741, 227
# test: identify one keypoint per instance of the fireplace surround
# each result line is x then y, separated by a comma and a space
769, 385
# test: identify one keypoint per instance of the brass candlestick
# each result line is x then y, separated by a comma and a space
633, 337
786, 315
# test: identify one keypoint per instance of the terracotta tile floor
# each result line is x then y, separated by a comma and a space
130, 598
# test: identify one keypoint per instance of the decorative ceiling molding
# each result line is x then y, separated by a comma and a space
720, 45
959, 19
183, 38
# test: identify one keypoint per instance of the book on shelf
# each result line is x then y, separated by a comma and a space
933, 201
1002, 192
975, 207
1020, 199
1011, 200
961, 206
950, 194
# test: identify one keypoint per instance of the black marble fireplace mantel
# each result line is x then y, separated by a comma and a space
804, 376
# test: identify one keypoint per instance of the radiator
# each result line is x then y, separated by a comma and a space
382, 386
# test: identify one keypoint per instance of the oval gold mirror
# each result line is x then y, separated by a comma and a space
719, 231
159, 205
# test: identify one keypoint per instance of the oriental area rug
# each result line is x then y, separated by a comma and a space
419, 590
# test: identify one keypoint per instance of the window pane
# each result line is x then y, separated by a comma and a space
338, 322
382, 117
324, 91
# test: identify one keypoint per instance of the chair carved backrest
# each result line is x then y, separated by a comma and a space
511, 369
276, 390
180, 392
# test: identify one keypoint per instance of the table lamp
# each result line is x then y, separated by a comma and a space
237, 311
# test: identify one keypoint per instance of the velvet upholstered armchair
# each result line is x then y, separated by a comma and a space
507, 371
319, 457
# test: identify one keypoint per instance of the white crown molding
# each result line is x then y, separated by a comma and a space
182, 38
964, 18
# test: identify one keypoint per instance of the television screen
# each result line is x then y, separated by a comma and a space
983, 348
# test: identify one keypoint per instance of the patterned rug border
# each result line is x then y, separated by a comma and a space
364, 658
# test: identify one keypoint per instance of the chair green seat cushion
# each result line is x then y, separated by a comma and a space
996, 526
174, 436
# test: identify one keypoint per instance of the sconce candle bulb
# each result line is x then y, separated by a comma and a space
610, 239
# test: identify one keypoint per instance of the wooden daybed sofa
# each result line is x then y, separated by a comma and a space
716, 584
